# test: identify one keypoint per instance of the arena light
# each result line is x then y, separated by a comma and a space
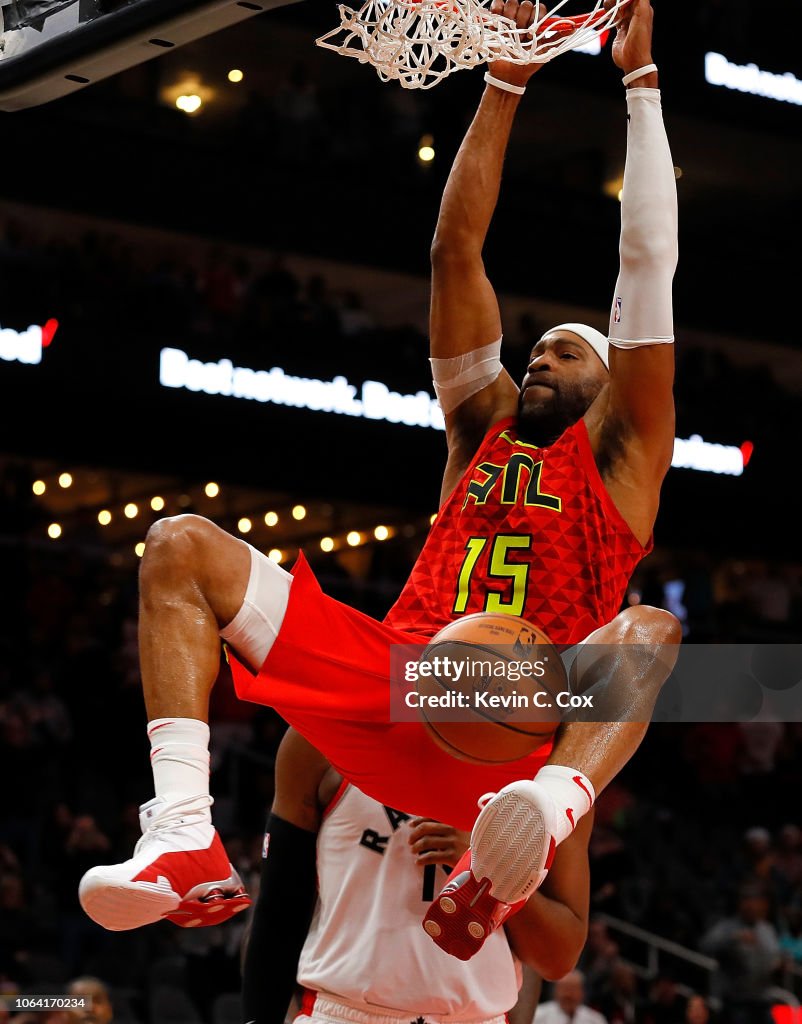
104, 517
54, 531
131, 510
245, 525
749, 78
65, 480
235, 76
211, 490
139, 549
39, 487
189, 104
426, 149
298, 512
614, 187
432, 519
276, 555
381, 533
271, 518
157, 503
326, 543
354, 538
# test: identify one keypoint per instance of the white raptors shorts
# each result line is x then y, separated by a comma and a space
328, 1010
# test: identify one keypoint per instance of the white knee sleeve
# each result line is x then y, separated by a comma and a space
255, 626
642, 308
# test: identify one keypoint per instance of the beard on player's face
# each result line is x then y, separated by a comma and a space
544, 413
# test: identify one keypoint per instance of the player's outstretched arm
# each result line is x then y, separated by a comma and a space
634, 418
465, 324
549, 931
288, 888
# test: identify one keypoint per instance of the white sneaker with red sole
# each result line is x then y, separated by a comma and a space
180, 871
512, 849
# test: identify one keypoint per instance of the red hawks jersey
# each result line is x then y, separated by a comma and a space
528, 531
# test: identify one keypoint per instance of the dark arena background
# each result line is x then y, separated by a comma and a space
249, 200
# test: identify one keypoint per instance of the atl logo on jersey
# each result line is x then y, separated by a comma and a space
519, 476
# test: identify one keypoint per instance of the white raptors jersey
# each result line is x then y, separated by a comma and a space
366, 944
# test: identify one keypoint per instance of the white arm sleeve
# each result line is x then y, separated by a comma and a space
458, 378
642, 307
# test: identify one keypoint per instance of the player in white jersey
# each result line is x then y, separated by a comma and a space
366, 958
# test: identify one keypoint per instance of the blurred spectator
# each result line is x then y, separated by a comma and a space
23, 769
568, 1006
44, 710
748, 953
98, 1008
86, 838
9, 862
791, 934
761, 744
599, 955
729, 585
20, 932
788, 855
769, 595
758, 863
673, 598
613, 868
618, 1000
666, 1004
697, 1011
85, 846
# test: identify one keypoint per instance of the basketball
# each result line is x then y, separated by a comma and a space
489, 686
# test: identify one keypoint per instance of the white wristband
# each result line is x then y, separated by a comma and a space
634, 75
519, 90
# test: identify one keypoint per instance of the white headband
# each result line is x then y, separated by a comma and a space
594, 338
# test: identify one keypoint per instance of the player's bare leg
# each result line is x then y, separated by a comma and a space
623, 666
193, 582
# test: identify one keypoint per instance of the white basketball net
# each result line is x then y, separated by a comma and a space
420, 42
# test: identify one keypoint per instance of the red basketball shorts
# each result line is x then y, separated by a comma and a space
328, 675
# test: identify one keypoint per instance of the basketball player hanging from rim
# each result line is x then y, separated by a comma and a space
594, 424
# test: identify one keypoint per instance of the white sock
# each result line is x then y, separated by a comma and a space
572, 793
179, 757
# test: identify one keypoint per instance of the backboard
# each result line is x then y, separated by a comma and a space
49, 48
